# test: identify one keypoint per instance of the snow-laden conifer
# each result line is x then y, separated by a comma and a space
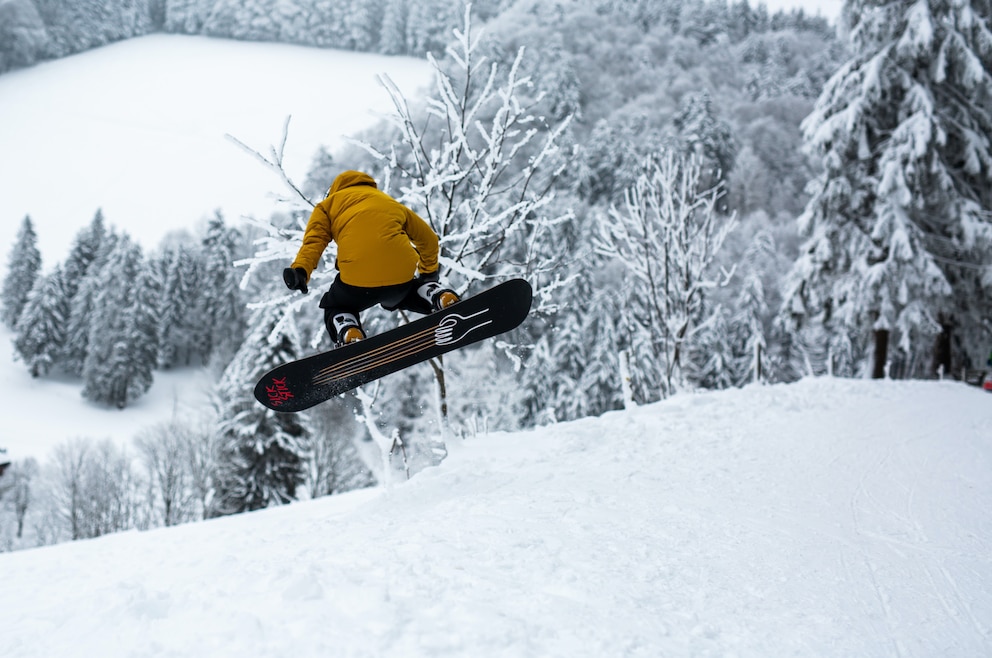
220, 316
263, 453
899, 228
23, 268
711, 362
539, 386
392, 33
141, 324
178, 317
600, 380
82, 306
22, 34
120, 354
84, 251
41, 327
751, 311
569, 360
703, 133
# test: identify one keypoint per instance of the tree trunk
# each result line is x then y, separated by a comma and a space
881, 353
942, 348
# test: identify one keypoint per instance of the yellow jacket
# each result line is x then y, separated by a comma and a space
380, 241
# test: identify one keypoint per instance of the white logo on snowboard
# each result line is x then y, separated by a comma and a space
455, 327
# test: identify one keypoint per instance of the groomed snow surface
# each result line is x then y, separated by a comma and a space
823, 518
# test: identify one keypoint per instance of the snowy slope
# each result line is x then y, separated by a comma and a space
138, 128
39, 414
824, 518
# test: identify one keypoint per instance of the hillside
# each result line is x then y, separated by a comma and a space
40, 414
823, 518
138, 129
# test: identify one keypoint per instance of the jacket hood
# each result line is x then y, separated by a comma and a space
351, 179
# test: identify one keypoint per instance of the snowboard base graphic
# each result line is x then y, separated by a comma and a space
301, 384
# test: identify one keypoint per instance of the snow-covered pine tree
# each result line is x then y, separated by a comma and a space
751, 312
392, 38
75, 25
41, 328
711, 364
324, 24
558, 81
704, 134
601, 377
180, 304
263, 454
84, 251
82, 305
120, 357
539, 384
569, 358
22, 34
244, 20
361, 26
220, 317
186, 16
23, 269
613, 156
429, 24
899, 227
141, 324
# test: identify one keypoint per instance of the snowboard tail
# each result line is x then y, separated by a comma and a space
299, 385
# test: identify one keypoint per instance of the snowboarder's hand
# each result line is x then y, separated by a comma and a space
430, 276
296, 279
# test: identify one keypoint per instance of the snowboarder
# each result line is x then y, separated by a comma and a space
386, 255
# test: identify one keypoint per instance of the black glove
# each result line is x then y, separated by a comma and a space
296, 279
434, 276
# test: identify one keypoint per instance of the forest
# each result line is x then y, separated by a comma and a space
703, 195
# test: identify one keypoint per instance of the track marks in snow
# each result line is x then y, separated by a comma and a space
786, 520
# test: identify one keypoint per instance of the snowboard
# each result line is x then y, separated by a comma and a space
301, 384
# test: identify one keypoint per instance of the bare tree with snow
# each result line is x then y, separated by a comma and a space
476, 164
666, 236
480, 167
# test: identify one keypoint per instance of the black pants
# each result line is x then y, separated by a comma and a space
344, 298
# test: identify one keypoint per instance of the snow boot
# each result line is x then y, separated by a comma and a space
347, 329
437, 295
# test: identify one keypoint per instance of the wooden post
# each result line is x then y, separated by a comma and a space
881, 353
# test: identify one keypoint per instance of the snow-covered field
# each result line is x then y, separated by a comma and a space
824, 518
39, 414
138, 128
